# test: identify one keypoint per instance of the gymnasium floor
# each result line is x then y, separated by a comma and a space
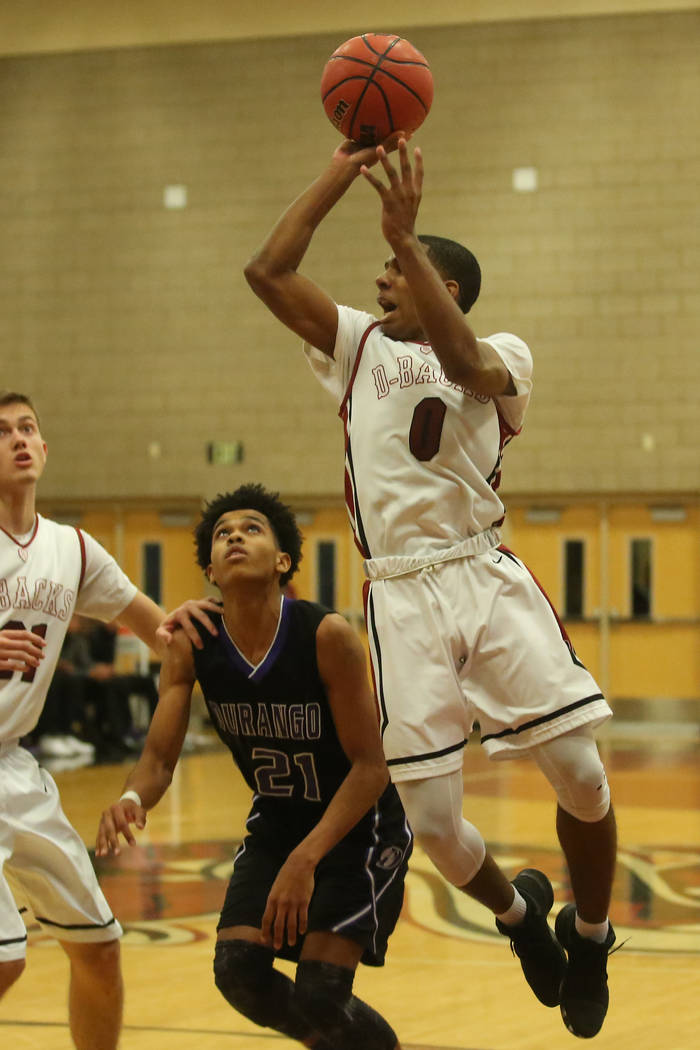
450, 982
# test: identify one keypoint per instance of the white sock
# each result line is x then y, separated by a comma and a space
516, 913
594, 931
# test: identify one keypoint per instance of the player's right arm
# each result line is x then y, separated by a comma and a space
272, 272
152, 774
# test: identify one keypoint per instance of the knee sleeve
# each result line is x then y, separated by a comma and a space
245, 976
323, 994
573, 767
434, 810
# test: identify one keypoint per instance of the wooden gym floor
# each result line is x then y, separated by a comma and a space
450, 982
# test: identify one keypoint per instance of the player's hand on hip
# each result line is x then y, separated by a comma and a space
183, 618
116, 821
402, 195
20, 650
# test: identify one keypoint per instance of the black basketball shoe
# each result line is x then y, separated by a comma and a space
541, 956
584, 992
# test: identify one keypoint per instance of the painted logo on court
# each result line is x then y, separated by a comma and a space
655, 905
173, 894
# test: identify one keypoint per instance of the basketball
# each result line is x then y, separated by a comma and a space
375, 84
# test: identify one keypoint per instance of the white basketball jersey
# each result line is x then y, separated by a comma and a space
422, 455
59, 571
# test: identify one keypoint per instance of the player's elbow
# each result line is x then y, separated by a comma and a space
479, 378
255, 273
262, 276
378, 776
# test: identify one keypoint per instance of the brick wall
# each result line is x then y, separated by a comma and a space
134, 329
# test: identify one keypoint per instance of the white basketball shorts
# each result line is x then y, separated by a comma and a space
465, 640
46, 860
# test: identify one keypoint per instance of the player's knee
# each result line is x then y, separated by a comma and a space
108, 958
457, 855
575, 770
97, 962
587, 799
323, 995
242, 973
10, 972
434, 810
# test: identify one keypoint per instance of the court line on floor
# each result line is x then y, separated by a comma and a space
268, 1034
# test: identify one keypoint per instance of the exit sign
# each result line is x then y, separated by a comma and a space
224, 453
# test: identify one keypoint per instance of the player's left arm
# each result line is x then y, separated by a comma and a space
153, 772
157, 629
343, 670
143, 617
465, 360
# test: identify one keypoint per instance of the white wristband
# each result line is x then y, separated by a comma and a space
132, 796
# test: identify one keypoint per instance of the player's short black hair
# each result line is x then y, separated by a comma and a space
251, 497
12, 397
455, 263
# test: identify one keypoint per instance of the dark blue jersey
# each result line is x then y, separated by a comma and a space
277, 722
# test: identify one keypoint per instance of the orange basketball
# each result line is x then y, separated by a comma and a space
375, 84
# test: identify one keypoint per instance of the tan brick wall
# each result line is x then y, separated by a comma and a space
132, 325
35, 26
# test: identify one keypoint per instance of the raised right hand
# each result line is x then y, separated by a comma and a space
354, 152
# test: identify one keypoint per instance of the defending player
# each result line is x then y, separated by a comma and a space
458, 628
319, 876
48, 572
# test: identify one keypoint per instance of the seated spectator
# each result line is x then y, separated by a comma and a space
88, 711
63, 721
103, 649
91, 694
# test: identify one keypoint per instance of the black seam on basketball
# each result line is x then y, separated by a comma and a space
345, 80
370, 80
373, 51
385, 56
373, 65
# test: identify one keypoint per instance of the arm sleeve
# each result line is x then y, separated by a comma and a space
333, 373
517, 358
106, 590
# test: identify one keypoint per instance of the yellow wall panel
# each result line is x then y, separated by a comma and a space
655, 661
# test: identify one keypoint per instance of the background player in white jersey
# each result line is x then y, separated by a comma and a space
458, 628
319, 876
48, 572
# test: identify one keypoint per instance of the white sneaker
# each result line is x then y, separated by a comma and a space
78, 747
54, 747
62, 765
